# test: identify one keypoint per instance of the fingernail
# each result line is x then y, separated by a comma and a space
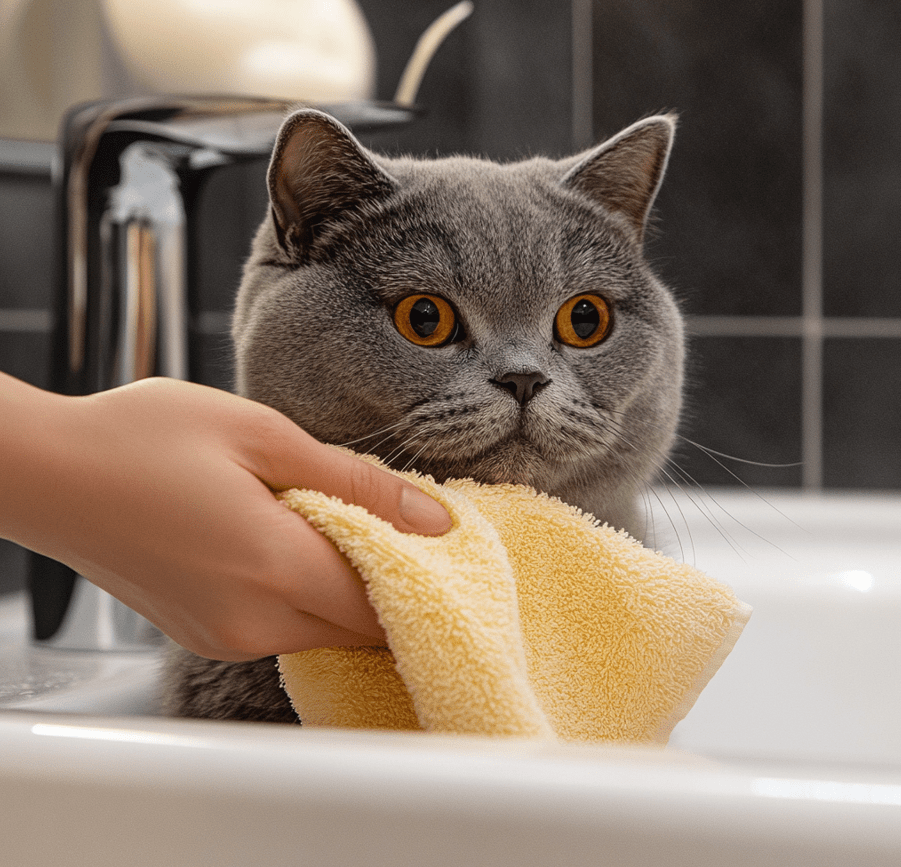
422, 513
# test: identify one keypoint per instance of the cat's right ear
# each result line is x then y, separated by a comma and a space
318, 171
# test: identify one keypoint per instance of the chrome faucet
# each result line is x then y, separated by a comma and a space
127, 180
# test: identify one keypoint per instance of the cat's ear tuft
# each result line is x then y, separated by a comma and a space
318, 171
623, 174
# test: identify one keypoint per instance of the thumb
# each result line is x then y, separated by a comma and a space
391, 498
300, 461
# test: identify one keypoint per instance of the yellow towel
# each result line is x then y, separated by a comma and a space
527, 619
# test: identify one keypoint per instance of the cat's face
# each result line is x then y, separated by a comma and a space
466, 318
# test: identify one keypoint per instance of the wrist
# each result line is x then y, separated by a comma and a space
37, 455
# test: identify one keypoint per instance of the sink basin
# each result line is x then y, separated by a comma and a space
45, 678
89, 791
813, 676
791, 755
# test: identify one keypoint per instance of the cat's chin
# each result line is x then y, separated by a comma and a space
513, 461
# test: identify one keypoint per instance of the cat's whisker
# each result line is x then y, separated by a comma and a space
672, 524
710, 452
685, 484
726, 512
698, 502
375, 433
392, 435
650, 528
715, 456
395, 455
688, 485
396, 452
410, 463
646, 489
668, 479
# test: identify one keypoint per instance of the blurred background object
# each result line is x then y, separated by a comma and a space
50, 58
312, 50
777, 224
55, 53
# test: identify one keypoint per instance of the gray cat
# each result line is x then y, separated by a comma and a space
461, 317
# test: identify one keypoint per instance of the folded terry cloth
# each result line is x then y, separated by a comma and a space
528, 618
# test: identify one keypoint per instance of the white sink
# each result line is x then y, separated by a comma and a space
45, 678
791, 756
814, 675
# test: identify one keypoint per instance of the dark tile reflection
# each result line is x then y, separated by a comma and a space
862, 154
26, 355
211, 359
26, 241
743, 399
12, 567
730, 209
862, 408
230, 205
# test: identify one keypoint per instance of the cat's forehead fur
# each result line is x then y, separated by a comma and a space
501, 240
505, 201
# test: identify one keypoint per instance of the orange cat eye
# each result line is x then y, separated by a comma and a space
426, 320
583, 321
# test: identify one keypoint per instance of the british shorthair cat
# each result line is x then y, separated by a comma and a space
461, 317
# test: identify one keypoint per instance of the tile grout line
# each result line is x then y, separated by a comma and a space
39, 321
582, 40
18, 320
742, 325
26, 320
812, 251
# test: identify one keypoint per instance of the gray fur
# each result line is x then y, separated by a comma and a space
350, 234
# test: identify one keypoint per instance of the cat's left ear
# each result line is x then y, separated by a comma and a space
318, 171
624, 173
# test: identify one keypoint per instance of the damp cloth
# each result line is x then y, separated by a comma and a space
526, 619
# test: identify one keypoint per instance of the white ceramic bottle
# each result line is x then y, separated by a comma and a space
54, 53
311, 50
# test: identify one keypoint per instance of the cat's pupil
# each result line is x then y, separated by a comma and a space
585, 319
424, 317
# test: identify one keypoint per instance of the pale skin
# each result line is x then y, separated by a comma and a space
162, 493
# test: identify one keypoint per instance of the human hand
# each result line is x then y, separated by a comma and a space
161, 492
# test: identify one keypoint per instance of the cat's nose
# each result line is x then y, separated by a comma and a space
523, 386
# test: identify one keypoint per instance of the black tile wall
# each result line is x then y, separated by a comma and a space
230, 206
862, 413
12, 567
500, 86
730, 208
26, 242
862, 155
26, 270
743, 398
26, 355
521, 73
446, 91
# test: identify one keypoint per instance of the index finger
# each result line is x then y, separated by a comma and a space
298, 460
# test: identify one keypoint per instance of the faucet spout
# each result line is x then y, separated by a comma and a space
144, 243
